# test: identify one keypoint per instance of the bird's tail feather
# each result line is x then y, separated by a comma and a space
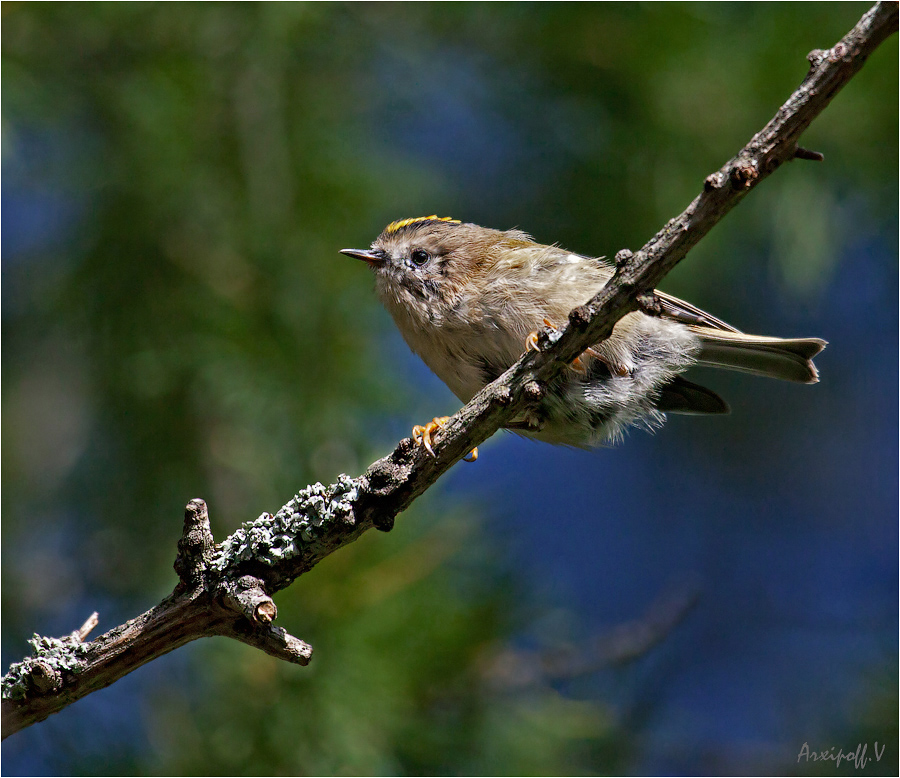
789, 359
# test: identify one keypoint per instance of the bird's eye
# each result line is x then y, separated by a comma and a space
419, 256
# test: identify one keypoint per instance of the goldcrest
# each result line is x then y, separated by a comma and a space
468, 299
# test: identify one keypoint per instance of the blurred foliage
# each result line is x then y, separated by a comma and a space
177, 181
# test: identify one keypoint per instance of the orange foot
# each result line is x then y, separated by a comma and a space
531, 344
422, 435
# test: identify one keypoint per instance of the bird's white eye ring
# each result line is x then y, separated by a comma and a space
419, 256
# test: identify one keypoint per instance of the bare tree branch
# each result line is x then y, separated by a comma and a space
226, 589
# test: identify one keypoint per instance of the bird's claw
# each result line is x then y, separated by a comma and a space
531, 344
531, 341
422, 436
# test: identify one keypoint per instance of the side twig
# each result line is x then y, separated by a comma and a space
226, 589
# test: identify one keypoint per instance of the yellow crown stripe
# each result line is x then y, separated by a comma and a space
399, 225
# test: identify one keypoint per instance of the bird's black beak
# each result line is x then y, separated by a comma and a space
374, 258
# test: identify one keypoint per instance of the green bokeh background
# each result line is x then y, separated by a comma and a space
177, 323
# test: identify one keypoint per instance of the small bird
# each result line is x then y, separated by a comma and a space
469, 300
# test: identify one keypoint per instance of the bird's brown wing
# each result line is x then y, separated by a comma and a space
684, 312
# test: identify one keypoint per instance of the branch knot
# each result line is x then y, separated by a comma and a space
195, 548
248, 597
743, 175
623, 258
